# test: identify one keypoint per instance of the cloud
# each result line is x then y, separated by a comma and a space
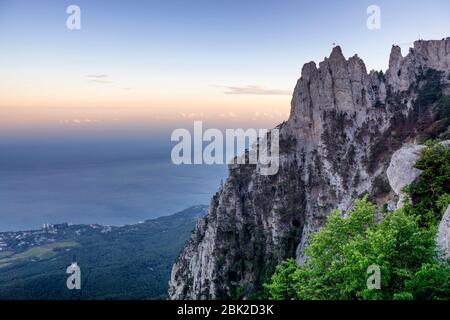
101, 78
97, 76
255, 90
81, 121
192, 115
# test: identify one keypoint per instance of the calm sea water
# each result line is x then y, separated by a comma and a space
104, 182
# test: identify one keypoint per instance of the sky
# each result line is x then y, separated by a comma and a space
158, 65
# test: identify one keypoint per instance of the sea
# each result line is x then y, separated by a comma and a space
105, 181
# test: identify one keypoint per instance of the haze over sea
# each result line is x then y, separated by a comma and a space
107, 181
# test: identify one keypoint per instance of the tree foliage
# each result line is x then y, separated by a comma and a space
402, 245
433, 185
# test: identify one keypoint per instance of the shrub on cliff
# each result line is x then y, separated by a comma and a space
340, 254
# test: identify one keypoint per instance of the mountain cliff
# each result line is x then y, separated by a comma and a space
344, 126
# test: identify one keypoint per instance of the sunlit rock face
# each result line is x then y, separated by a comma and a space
401, 171
344, 126
443, 236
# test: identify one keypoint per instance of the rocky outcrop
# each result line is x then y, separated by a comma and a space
401, 171
433, 54
344, 126
443, 236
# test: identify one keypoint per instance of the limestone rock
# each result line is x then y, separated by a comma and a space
401, 171
443, 236
344, 126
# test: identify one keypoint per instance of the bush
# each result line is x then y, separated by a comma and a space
402, 245
431, 282
341, 252
429, 191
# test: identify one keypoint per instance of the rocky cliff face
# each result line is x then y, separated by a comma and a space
401, 173
344, 126
443, 236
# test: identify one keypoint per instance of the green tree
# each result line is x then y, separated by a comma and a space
431, 282
402, 246
341, 252
281, 286
433, 186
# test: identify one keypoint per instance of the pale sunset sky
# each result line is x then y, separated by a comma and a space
163, 64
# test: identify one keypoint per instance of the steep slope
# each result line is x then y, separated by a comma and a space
343, 128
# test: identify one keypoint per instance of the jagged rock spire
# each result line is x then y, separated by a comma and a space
343, 128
